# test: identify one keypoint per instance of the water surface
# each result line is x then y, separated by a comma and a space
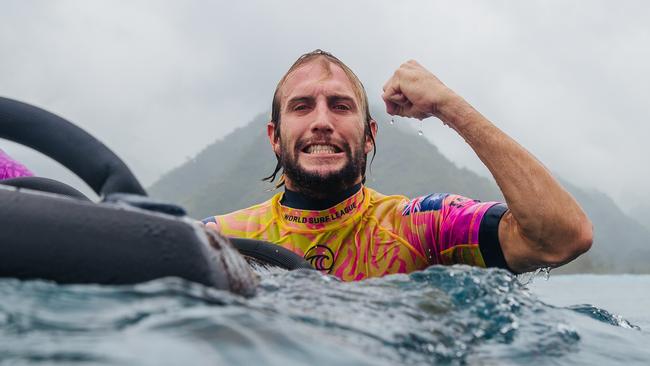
443, 315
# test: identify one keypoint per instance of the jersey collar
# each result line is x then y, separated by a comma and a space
296, 200
326, 219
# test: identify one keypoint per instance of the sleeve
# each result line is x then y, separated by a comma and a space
452, 229
488, 237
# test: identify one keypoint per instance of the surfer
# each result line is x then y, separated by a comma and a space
321, 132
9, 168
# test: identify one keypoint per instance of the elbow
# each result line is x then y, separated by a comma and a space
578, 241
566, 241
585, 238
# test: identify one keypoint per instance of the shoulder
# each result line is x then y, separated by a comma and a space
433, 203
254, 212
428, 202
377, 198
442, 202
382, 202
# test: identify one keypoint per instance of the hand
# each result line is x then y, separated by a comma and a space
212, 226
215, 238
415, 92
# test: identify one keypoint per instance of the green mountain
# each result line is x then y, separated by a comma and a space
226, 176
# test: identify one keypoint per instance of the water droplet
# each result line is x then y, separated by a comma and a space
392, 121
420, 132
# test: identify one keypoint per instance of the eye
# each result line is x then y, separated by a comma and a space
300, 107
342, 107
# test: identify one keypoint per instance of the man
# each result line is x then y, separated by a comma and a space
321, 132
10, 168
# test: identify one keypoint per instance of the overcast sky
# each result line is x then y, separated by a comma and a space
159, 80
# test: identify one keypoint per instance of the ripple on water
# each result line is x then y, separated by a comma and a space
443, 315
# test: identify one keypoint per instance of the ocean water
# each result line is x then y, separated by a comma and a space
444, 316
625, 295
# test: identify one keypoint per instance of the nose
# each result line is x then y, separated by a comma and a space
322, 119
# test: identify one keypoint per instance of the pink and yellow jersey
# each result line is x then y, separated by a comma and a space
371, 235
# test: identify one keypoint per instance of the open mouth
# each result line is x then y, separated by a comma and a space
321, 149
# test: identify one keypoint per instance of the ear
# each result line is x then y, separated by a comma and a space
275, 141
373, 131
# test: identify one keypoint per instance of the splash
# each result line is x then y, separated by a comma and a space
529, 277
603, 316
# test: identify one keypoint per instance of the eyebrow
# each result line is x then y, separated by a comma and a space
341, 97
330, 99
296, 100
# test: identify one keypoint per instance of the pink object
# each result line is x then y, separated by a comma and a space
10, 168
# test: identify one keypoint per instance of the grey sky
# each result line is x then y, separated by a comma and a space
157, 80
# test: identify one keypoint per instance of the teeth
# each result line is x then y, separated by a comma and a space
321, 149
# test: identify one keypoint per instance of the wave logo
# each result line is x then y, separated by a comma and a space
320, 257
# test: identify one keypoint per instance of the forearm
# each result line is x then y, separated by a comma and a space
544, 225
541, 210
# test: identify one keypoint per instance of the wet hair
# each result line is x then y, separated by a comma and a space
359, 91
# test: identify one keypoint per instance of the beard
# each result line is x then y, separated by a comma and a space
322, 185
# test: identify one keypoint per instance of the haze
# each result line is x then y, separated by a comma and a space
159, 80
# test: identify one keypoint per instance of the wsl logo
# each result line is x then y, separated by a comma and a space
320, 257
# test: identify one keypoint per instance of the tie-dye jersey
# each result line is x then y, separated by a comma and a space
10, 168
370, 234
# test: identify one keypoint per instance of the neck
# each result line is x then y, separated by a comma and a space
302, 201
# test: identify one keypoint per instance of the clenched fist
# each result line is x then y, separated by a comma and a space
415, 92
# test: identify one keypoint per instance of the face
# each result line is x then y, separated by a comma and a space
322, 143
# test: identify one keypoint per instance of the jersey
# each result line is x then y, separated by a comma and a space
10, 168
371, 235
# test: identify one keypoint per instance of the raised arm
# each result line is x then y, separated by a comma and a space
544, 225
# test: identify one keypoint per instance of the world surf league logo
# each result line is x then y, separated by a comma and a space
320, 257
330, 217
